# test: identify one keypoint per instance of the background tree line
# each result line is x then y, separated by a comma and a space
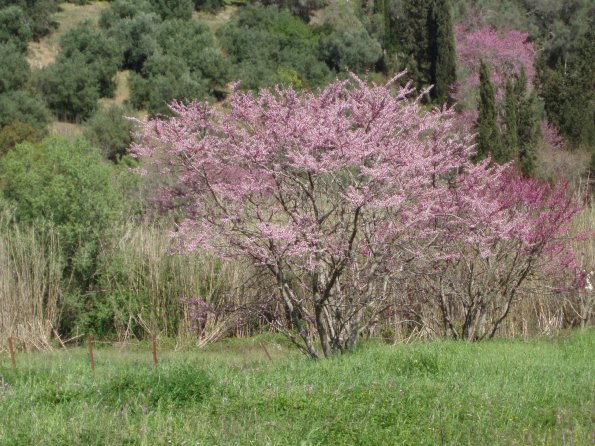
533, 106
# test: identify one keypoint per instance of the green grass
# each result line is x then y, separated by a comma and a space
493, 393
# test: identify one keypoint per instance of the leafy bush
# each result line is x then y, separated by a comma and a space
14, 69
122, 9
21, 106
209, 5
70, 87
16, 133
66, 185
194, 43
110, 131
14, 27
350, 50
99, 52
173, 9
135, 35
188, 66
264, 41
165, 78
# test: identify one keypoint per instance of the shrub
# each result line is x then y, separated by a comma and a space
110, 131
99, 52
14, 27
14, 70
70, 87
135, 37
263, 41
65, 185
165, 78
16, 133
173, 9
21, 106
350, 50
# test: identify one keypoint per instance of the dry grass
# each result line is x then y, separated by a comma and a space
150, 288
66, 129
29, 285
217, 20
44, 52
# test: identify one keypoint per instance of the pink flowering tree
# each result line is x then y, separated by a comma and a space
506, 53
339, 195
521, 229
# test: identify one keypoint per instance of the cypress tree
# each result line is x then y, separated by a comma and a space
488, 133
527, 124
413, 39
511, 138
441, 50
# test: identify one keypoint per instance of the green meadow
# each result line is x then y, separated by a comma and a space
503, 392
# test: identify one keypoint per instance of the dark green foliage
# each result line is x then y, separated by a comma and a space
100, 53
194, 44
211, 6
441, 48
511, 137
527, 124
173, 9
70, 87
37, 15
568, 91
488, 132
383, 21
14, 68
14, 27
122, 9
265, 44
300, 8
66, 185
16, 133
110, 131
165, 78
411, 25
187, 66
350, 50
21, 106
135, 37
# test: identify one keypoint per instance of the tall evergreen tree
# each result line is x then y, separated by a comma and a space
412, 39
488, 132
511, 138
527, 124
441, 50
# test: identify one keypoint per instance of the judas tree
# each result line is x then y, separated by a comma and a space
520, 230
508, 53
338, 195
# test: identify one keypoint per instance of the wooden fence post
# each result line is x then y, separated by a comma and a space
266, 351
155, 359
11, 351
91, 357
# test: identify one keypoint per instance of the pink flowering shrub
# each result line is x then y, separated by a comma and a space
552, 136
341, 196
506, 53
521, 229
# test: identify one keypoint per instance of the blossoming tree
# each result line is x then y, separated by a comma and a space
507, 53
337, 194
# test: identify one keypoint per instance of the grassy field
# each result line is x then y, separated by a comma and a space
493, 393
